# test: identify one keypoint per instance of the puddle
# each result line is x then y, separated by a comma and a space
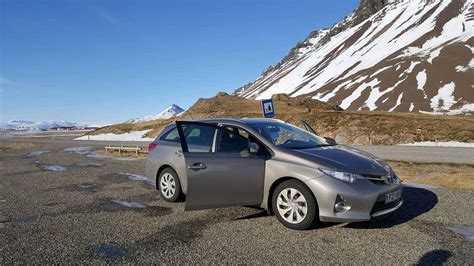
125, 158
27, 218
150, 183
416, 185
36, 153
110, 253
87, 186
466, 231
114, 178
79, 150
134, 177
128, 204
90, 164
53, 168
3, 219
98, 156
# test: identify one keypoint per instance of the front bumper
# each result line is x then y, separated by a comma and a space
365, 198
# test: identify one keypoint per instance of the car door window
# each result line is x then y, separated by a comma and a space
199, 138
232, 140
171, 135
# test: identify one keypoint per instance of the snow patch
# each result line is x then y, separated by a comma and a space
421, 80
79, 150
128, 204
87, 186
168, 113
357, 92
445, 94
90, 164
131, 136
462, 68
440, 144
399, 101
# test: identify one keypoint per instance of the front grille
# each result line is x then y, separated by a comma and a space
380, 206
378, 181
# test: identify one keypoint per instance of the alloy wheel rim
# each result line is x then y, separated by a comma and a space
167, 185
292, 205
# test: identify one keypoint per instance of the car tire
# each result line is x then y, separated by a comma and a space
294, 205
169, 185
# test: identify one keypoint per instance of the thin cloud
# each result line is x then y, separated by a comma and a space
3, 83
106, 16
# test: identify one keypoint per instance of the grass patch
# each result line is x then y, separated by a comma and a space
454, 176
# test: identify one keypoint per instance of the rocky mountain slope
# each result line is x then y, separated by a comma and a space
404, 56
349, 127
168, 113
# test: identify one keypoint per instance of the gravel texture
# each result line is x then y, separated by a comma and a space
73, 217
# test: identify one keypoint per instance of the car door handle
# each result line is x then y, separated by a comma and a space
178, 153
197, 166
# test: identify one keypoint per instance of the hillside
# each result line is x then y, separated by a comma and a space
397, 56
350, 127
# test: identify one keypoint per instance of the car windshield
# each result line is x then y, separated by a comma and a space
288, 136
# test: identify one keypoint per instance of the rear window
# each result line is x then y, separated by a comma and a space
172, 135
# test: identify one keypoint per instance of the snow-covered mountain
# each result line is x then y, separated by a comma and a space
406, 56
28, 125
168, 113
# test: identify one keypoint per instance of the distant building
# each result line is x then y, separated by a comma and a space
64, 128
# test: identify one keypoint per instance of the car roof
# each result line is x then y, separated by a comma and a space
238, 121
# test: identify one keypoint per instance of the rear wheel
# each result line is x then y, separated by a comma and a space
169, 185
295, 205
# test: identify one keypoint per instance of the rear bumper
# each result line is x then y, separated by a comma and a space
366, 199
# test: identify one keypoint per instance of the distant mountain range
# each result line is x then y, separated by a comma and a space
43, 125
170, 112
404, 56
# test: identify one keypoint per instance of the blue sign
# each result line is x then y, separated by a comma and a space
268, 108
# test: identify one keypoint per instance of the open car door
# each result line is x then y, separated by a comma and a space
221, 171
307, 127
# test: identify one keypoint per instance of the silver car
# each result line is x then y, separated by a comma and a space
300, 177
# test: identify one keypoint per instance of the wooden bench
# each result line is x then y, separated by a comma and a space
122, 148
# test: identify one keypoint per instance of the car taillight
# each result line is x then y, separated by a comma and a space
151, 146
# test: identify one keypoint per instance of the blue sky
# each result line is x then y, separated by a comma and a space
110, 60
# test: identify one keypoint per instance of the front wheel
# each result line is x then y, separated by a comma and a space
169, 185
295, 205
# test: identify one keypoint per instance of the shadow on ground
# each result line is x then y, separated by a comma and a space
435, 257
417, 201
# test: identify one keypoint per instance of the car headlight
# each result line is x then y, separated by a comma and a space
343, 176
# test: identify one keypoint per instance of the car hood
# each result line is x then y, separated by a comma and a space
345, 159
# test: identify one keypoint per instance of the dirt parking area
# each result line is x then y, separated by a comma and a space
62, 202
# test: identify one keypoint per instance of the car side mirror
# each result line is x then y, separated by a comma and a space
330, 141
254, 148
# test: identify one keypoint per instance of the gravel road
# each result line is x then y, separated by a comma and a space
419, 154
457, 155
91, 210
